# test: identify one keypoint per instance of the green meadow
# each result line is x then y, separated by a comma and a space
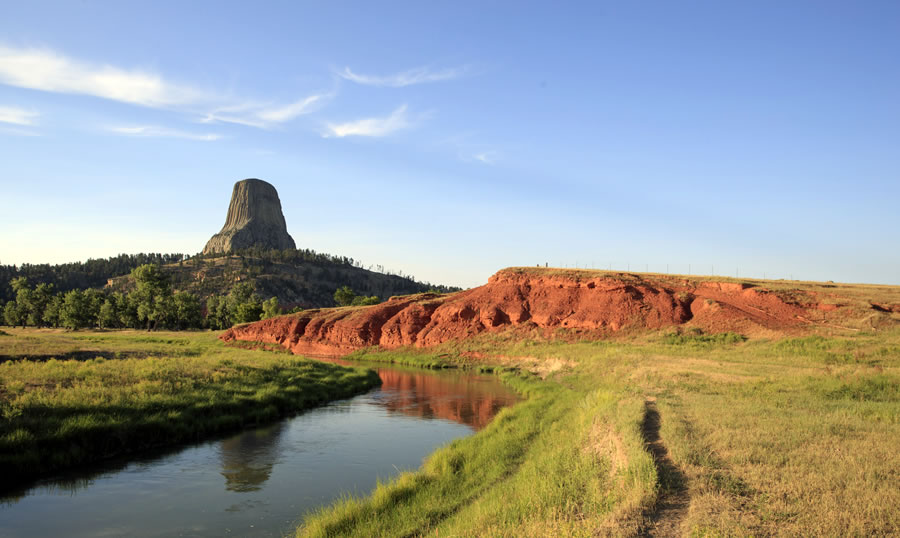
659, 434
69, 398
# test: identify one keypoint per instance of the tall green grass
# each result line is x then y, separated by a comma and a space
567, 460
60, 413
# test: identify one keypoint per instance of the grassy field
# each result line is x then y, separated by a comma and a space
665, 433
689, 435
67, 398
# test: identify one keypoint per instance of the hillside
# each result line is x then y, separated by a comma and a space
297, 277
93, 273
594, 303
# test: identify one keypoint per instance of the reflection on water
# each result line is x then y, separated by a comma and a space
449, 394
450, 397
247, 459
272, 475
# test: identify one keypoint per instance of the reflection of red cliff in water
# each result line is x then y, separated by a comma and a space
429, 395
455, 396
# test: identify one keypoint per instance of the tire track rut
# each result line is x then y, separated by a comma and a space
666, 516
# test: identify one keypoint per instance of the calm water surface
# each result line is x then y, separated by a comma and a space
261, 481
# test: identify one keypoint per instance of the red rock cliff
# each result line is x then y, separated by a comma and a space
597, 302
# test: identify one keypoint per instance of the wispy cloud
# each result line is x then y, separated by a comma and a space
17, 116
486, 157
264, 116
291, 111
50, 71
45, 70
376, 127
162, 132
17, 132
419, 75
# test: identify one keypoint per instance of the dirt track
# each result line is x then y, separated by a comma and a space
672, 505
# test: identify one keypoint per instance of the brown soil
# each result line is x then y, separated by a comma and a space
598, 303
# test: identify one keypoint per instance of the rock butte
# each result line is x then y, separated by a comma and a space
254, 219
515, 298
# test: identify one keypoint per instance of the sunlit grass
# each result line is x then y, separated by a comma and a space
166, 388
791, 437
534, 469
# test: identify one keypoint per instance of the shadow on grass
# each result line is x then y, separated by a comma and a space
81, 355
44, 437
673, 500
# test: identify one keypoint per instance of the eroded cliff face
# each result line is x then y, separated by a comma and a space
601, 305
254, 219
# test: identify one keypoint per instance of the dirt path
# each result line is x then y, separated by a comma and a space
671, 508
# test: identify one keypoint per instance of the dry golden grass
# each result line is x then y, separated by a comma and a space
782, 437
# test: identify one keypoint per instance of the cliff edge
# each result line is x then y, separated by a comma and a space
592, 302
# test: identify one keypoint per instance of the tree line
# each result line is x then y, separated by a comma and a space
94, 273
79, 275
152, 304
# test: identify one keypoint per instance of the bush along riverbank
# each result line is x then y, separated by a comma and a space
113, 393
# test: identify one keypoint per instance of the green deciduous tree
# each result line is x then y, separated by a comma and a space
187, 310
11, 314
127, 310
362, 300
344, 296
108, 317
40, 299
18, 284
93, 301
270, 308
214, 319
51, 313
74, 311
243, 304
23, 300
152, 295
247, 312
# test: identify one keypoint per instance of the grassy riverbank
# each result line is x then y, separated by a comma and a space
68, 398
677, 434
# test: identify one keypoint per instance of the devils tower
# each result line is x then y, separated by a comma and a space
254, 220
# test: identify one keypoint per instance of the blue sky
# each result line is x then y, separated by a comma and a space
449, 140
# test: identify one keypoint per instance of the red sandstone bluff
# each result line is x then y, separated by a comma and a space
600, 303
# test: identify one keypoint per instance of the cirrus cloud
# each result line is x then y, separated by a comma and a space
17, 116
46, 70
486, 157
419, 75
162, 132
50, 71
374, 127
264, 116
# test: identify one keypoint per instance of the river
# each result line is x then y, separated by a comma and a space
261, 481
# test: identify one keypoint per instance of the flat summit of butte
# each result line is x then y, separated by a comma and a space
254, 219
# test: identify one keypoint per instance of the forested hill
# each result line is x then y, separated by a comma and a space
297, 277
79, 275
